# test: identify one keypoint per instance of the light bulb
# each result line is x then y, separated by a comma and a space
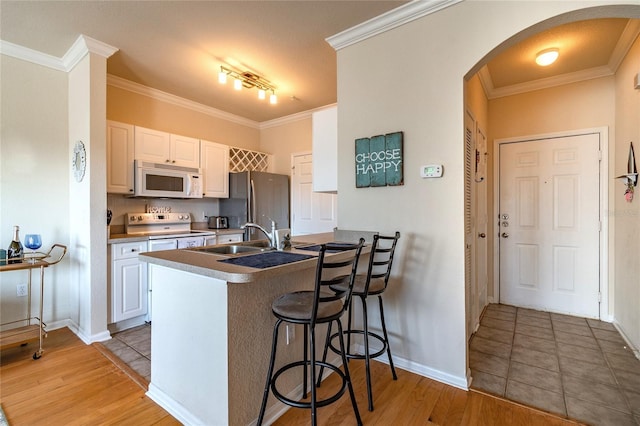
547, 57
222, 77
261, 94
273, 99
237, 84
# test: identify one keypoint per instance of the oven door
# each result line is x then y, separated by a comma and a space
190, 242
163, 244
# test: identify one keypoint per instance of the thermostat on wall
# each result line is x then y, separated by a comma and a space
431, 171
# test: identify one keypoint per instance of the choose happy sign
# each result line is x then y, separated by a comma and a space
379, 160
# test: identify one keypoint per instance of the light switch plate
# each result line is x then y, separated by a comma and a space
431, 171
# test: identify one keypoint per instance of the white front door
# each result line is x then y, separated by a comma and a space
312, 212
549, 224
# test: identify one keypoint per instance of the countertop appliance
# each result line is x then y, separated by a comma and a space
257, 197
165, 180
218, 222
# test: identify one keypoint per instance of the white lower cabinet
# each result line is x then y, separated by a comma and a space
129, 296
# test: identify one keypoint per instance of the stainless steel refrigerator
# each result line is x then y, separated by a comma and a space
257, 197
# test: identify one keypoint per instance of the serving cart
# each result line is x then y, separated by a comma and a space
35, 328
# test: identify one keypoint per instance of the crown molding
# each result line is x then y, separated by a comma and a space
159, 95
76, 52
293, 117
546, 83
626, 40
629, 35
84, 45
388, 21
30, 55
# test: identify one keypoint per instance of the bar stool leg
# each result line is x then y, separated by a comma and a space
367, 358
386, 339
312, 343
265, 395
324, 353
306, 358
347, 374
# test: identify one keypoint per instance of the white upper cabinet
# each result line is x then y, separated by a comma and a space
325, 150
214, 162
185, 151
164, 148
119, 158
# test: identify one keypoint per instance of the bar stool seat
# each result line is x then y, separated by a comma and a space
373, 283
310, 308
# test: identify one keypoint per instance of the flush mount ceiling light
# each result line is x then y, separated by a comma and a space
248, 80
547, 56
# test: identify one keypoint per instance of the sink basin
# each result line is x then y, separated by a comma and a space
232, 249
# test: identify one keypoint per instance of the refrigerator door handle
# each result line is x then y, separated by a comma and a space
252, 208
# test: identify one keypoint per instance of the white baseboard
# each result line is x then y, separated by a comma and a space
88, 339
635, 350
173, 407
421, 370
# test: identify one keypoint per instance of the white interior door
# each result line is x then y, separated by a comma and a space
311, 212
549, 224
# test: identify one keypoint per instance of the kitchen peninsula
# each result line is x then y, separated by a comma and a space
212, 330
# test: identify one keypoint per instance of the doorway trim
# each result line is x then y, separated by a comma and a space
603, 132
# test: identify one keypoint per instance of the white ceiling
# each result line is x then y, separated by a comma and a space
178, 46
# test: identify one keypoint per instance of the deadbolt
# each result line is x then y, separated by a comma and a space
504, 216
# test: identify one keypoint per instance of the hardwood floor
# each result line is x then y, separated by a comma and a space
72, 384
417, 400
75, 384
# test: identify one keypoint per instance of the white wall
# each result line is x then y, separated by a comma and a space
34, 177
418, 81
627, 215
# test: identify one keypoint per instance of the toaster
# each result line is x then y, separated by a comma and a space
218, 222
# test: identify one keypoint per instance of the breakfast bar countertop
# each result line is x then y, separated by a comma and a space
210, 265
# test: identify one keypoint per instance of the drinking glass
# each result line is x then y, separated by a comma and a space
33, 242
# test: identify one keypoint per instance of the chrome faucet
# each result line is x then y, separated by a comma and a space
270, 236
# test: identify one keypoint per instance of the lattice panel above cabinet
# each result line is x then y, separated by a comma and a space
241, 160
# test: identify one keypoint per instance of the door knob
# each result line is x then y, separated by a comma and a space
505, 235
482, 235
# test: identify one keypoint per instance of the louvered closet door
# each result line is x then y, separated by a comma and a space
549, 224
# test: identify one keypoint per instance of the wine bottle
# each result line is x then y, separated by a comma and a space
15, 252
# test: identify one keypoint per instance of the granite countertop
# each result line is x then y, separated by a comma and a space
208, 264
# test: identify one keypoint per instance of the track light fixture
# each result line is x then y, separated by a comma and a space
248, 80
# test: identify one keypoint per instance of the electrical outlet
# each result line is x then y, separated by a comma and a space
21, 290
291, 333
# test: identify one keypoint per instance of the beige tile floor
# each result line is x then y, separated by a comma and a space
133, 347
575, 367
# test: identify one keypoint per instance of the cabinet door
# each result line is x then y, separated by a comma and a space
185, 151
230, 238
129, 289
214, 162
152, 145
119, 158
325, 150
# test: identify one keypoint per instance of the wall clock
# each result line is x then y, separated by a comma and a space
79, 161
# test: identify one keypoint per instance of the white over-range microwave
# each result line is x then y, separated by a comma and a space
167, 181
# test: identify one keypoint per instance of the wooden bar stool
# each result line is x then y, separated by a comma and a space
373, 283
310, 308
